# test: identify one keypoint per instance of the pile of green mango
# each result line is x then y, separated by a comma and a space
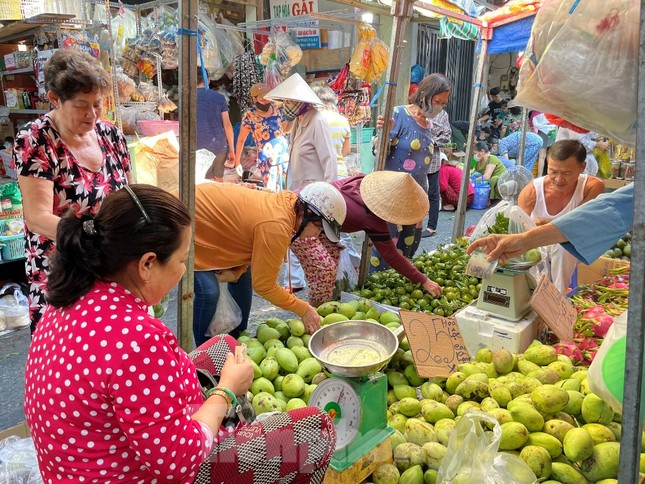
285, 373
548, 416
446, 266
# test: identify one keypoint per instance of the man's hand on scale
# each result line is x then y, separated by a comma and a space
501, 247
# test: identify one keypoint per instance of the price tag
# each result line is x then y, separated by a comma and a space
436, 343
556, 311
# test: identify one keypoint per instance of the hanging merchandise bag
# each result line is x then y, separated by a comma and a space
581, 64
228, 314
361, 60
472, 454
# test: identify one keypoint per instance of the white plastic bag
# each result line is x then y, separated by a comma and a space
18, 462
346, 275
581, 64
472, 454
228, 314
14, 308
203, 161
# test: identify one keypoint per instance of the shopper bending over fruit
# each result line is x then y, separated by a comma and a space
236, 227
109, 394
372, 202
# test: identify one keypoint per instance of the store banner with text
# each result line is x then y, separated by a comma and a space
307, 32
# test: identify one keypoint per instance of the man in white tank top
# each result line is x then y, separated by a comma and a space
564, 188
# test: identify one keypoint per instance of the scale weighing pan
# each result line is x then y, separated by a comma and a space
354, 348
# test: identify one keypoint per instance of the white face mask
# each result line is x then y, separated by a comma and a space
477, 157
432, 111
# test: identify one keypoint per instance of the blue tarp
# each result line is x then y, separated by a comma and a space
511, 37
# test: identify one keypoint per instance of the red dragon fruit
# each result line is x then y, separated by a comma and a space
570, 349
587, 343
601, 321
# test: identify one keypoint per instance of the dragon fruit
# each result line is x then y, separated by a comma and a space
587, 343
601, 321
571, 350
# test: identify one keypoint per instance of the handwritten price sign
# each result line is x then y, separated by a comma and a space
436, 343
556, 311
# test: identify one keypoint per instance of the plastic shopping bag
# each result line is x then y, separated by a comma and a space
472, 454
228, 314
346, 277
504, 218
581, 64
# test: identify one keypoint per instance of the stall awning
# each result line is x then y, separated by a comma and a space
510, 37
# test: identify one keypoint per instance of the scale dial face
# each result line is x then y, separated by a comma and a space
339, 399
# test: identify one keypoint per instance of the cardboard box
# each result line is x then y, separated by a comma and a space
588, 274
21, 430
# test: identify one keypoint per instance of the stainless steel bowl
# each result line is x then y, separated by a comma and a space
353, 335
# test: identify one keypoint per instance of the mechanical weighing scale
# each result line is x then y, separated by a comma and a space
355, 396
506, 292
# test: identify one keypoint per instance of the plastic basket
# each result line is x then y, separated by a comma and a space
153, 127
366, 135
13, 245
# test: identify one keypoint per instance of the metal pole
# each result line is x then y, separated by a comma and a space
460, 217
402, 12
630, 449
188, 15
520, 154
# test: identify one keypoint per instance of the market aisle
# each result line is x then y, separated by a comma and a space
14, 346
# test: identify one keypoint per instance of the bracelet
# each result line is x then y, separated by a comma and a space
230, 394
224, 395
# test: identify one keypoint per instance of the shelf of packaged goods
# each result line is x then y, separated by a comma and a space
29, 111
10, 72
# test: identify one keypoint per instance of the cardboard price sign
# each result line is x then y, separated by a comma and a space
556, 311
436, 343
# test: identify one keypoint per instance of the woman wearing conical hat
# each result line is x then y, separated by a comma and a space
370, 207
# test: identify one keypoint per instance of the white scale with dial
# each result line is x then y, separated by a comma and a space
358, 407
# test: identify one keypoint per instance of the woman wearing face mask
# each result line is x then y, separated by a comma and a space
264, 121
412, 148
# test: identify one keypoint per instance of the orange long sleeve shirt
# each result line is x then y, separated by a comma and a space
236, 226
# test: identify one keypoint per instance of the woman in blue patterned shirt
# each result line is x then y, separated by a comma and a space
412, 146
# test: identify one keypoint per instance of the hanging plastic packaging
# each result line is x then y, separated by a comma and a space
359, 64
581, 64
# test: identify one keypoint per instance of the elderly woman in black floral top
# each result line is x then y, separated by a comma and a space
67, 159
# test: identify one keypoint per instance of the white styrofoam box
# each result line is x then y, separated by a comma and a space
482, 330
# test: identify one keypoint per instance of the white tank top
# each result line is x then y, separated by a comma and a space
540, 210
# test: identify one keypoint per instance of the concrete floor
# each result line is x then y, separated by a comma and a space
14, 345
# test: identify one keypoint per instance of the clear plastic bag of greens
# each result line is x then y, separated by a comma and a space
504, 218
472, 455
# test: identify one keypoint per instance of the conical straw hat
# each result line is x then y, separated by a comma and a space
294, 88
395, 197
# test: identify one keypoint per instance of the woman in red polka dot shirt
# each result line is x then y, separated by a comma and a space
109, 394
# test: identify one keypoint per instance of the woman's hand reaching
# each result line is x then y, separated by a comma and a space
237, 374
